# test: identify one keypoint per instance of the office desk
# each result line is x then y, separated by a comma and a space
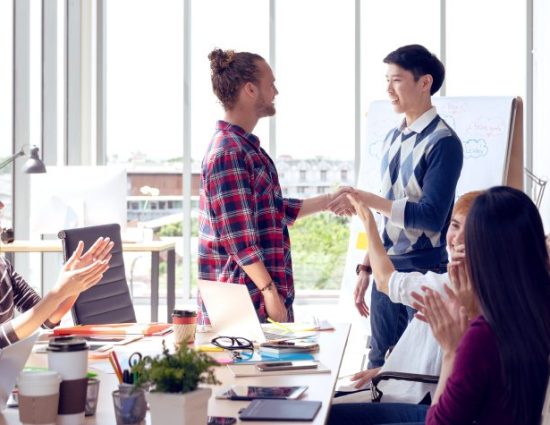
154, 247
321, 386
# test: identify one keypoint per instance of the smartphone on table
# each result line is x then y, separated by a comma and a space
251, 392
271, 366
220, 420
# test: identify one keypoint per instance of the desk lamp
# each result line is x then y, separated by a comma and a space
33, 165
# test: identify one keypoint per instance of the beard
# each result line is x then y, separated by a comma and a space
264, 108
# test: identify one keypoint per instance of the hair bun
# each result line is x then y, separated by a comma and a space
220, 59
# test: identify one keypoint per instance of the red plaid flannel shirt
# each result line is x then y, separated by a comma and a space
243, 217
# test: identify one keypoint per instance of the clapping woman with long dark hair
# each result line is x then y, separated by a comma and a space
495, 368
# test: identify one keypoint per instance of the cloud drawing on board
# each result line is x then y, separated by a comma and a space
375, 149
475, 148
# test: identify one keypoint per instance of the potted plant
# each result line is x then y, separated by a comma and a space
173, 380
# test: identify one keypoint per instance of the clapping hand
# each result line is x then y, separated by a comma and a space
99, 251
447, 318
81, 272
462, 287
363, 212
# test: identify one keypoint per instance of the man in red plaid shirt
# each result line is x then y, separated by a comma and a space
244, 218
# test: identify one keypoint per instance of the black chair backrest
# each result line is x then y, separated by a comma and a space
109, 300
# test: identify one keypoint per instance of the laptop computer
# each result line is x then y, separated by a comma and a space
231, 311
12, 361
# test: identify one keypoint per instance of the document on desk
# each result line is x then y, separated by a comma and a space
146, 329
241, 370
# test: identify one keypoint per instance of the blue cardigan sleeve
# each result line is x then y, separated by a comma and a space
443, 170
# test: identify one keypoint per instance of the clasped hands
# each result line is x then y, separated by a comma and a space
339, 202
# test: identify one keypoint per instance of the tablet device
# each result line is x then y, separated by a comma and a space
249, 392
280, 410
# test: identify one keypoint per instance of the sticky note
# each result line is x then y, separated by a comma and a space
362, 241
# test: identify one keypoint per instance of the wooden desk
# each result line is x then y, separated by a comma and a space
321, 386
154, 247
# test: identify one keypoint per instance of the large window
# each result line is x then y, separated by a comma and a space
144, 81
387, 25
145, 115
485, 60
315, 72
312, 138
6, 111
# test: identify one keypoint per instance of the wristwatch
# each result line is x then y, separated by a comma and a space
362, 268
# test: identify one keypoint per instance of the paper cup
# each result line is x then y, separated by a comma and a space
184, 323
38, 397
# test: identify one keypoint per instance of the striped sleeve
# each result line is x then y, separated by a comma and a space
7, 334
24, 296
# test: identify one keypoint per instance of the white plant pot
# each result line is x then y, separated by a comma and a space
181, 409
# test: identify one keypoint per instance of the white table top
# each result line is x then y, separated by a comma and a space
321, 385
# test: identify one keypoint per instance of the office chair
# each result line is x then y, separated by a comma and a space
537, 187
109, 300
376, 393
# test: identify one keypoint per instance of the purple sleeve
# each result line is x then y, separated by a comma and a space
471, 379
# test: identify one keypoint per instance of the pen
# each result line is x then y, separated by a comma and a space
279, 325
116, 365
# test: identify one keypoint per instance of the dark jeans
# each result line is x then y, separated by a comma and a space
377, 413
388, 321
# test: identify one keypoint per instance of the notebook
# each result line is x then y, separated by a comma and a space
231, 311
12, 361
280, 410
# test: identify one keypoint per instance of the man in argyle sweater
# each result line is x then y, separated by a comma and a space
421, 163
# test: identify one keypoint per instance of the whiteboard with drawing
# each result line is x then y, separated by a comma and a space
483, 124
487, 128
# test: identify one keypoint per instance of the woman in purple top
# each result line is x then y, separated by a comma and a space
495, 368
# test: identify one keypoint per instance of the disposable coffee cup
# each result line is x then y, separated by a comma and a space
69, 357
38, 397
184, 323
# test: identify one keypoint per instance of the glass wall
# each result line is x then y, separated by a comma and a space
144, 118
6, 110
312, 137
486, 57
387, 25
315, 132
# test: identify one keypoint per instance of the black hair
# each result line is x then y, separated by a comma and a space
418, 60
230, 70
508, 265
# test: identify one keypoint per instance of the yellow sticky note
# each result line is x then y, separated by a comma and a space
362, 242
209, 348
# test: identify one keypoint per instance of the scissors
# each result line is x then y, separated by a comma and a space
133, 361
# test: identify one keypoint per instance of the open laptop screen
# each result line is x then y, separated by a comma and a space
230, 310
12, 361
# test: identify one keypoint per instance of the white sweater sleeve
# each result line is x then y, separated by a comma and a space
401, 285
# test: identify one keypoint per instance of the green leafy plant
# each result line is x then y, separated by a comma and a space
178, 372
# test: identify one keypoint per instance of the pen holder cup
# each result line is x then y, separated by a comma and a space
92, 392
130, 407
